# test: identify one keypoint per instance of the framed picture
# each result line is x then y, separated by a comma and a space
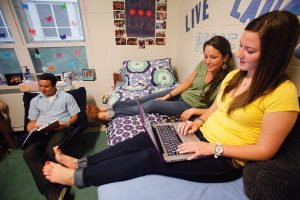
58, 77
14, 79
88, 75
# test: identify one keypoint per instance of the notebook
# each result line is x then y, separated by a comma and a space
165, 137
37, 133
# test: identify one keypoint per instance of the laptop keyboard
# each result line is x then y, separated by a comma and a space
170, 138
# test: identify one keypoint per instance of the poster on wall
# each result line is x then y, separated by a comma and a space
140, 22
140, 18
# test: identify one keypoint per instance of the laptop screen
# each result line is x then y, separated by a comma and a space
146, 123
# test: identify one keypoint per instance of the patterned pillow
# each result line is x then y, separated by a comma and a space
137, 74
124, 77
162, 74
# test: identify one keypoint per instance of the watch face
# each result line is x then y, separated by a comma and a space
219, 149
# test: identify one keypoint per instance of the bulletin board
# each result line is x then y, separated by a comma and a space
140, 22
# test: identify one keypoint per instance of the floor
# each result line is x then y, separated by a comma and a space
16, 181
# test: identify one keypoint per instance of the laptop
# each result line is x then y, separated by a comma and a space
165, 137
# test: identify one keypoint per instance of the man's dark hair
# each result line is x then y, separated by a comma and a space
50, 77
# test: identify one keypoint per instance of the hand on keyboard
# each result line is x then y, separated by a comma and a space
196, 149
187, 127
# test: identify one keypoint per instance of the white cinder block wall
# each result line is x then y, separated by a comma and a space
106, 57
184, 47
219, 21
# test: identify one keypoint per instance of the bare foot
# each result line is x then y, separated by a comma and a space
57, 173
64, 159
102, 109
103, 116
92, 111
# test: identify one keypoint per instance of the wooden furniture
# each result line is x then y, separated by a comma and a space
5, 127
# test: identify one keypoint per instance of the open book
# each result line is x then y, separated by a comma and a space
37, 133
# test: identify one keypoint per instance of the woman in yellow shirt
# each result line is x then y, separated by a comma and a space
254, 111
257, 105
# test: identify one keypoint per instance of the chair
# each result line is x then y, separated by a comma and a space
71, 144
5, 128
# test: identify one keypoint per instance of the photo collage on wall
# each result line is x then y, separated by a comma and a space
142, 38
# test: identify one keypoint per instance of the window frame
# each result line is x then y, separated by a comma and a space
9, 38
71, 10
21, 46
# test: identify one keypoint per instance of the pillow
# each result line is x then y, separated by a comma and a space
278, 178
162, 74
124, 77
137, 74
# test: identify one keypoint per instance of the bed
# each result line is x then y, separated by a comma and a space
137, 79
273, 179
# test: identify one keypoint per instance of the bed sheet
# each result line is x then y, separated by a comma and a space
161, 188
122, 128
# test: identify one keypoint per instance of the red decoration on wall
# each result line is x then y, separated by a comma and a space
51, 68
141, 24
58, 55
77, 52
49, 19
132, 11
73, 23
32, 31
149, 13
140, 12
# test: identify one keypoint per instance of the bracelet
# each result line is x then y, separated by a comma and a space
200, 119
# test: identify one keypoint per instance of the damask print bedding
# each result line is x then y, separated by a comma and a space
139, 78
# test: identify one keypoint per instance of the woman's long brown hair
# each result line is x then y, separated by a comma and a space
279, 33
223, 46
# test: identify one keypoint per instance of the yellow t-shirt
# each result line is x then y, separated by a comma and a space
243, 125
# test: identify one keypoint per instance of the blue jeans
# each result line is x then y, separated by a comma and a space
137, 157
174, 106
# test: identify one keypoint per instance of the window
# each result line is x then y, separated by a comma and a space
58, 60
44, 35
9, 62
49, 20
5, 34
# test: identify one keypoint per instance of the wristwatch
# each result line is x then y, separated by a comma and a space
218, 150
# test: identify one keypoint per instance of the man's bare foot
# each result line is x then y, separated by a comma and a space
64, 159
57, 173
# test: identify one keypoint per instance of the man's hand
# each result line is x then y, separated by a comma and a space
62, 126
31, 125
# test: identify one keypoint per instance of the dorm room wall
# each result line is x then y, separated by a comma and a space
220, 21
106, 57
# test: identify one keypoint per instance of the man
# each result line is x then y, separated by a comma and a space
46, 107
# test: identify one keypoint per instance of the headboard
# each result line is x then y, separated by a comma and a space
116, 77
